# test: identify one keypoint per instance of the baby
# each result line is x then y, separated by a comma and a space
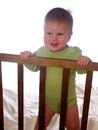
58, 26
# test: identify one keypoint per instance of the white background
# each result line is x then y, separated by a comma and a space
21, 28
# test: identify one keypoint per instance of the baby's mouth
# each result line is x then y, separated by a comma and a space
54, 44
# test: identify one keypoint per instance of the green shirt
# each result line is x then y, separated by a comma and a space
54, 76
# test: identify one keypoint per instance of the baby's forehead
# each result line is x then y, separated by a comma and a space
58, 24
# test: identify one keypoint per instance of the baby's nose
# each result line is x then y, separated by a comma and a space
54, 37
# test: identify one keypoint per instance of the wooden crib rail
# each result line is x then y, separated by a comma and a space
47, 62
43, 62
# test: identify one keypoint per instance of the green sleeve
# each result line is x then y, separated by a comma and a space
32, 67
81, 71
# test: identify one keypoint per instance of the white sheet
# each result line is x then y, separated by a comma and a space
31, 110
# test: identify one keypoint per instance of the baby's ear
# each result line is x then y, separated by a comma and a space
69, 37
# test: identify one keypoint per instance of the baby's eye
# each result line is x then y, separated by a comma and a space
48, 33
60, 34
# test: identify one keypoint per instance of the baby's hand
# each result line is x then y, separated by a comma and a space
26, 54
83, 61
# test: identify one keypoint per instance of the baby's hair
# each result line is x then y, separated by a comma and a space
60, 15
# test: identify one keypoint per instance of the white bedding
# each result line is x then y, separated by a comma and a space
31, 110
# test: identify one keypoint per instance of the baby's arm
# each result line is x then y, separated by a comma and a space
25, 55
83, 61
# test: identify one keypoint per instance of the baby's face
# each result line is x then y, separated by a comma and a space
56, 35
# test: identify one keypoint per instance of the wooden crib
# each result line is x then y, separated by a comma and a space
43, 63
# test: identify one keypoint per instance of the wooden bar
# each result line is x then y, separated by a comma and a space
87, 94
65, 82
47, 62
1, 101
20, 98
42, 98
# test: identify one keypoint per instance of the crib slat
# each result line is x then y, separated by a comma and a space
65, 81
42, 98
20, 97
86, 100
1, 101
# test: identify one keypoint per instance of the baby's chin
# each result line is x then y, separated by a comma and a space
56, 48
